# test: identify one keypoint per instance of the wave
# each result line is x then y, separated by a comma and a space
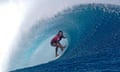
93, 33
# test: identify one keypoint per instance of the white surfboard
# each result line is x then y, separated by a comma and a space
64, 42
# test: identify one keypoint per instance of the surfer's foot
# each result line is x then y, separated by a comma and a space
57, 55
63, 48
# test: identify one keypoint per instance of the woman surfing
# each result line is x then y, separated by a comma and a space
56, 42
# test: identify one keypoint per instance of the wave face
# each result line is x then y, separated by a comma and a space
93, 33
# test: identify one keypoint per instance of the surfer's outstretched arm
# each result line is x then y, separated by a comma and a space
63, 37
60, 46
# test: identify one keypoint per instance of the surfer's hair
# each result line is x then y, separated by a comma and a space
60, 31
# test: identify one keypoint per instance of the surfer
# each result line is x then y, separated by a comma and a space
56, 42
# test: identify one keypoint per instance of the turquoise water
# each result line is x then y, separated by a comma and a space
93, 33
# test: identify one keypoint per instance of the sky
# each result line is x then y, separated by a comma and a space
14, 14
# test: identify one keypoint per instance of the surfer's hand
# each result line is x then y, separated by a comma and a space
64, 37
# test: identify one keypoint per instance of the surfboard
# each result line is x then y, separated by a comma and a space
64, 42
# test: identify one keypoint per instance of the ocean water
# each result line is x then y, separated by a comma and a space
93, 33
